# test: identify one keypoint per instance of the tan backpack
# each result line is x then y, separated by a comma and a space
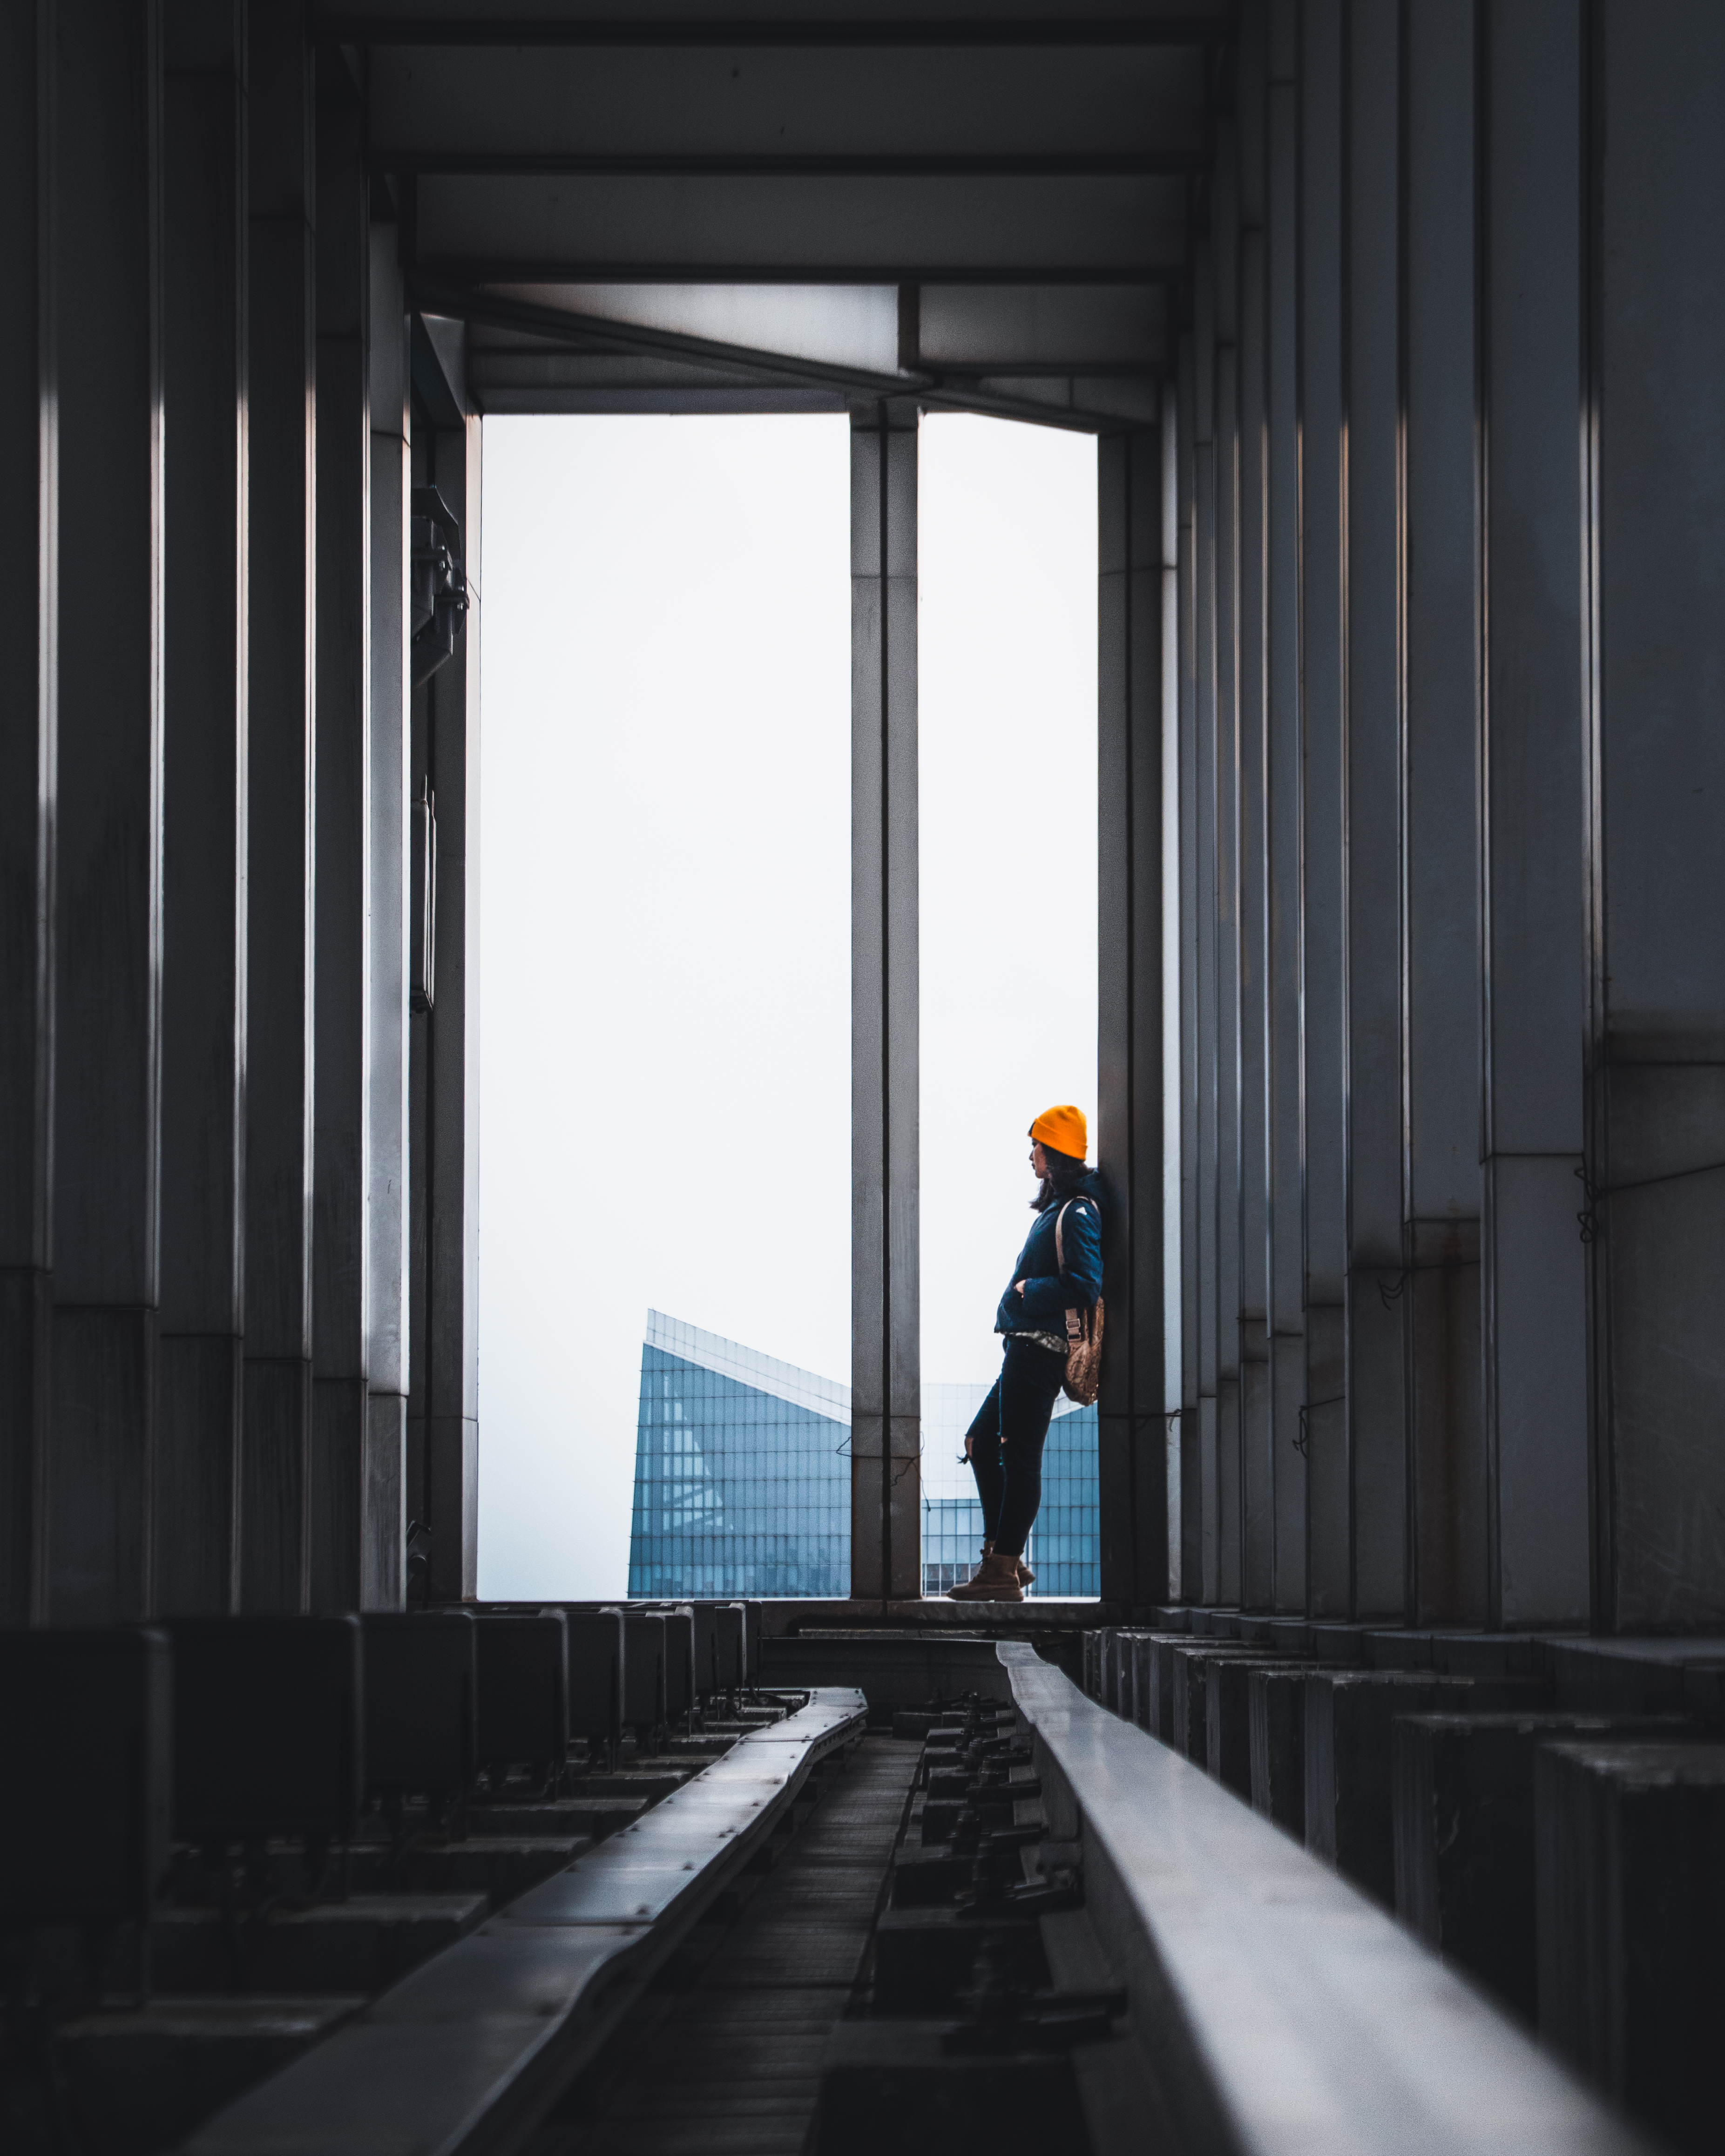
1084, 1337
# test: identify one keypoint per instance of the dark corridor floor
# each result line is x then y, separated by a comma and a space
730, 2064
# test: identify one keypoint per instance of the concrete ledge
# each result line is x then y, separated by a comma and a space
466, 2056
788, 1616
785, 1614
890, 1670
1282, 2011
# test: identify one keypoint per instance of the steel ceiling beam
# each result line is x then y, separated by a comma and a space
470, 302
835, 231
593, 334
1208, 26
1083, 166
1114, 108
472, 273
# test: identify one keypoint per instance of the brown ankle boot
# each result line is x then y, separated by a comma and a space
997, 1580
1026, 1577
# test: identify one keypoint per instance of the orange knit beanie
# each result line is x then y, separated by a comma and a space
1063, 1129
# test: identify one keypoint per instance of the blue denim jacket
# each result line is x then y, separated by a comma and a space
1050, 1293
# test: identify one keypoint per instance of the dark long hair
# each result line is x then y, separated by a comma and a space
1065, 1175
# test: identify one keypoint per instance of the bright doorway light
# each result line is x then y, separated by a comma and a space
1007, 712
665, 937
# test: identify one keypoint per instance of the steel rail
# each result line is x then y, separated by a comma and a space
466, 2056
1280, 2009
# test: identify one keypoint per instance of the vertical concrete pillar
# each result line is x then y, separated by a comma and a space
1171, 1106
1186, 1530
1160, 1556
1440, 1283
1284, 758
1655, 838
1225, 244
384, 1532
28, 570
1202, 1584
1132, 1411
1534, 964
340, 1236
1371, 691
1256, 1463
204, 812
1323, 853
106, 163
885, 1327
1257, 1470
281, 622
443, 1429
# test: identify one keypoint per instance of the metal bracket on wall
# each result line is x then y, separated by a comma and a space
436, 583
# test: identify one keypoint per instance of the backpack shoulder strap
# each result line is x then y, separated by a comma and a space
1059, 1246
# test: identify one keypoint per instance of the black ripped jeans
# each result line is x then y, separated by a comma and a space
1006, 1439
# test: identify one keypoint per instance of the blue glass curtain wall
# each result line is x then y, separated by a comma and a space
738, 1490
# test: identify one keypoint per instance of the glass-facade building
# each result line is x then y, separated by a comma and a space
743, 1473
742, 1479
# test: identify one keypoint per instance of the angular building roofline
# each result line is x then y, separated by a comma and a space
710, 1350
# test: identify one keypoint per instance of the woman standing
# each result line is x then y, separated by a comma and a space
1059, 1269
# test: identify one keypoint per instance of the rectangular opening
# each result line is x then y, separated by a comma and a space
666, 1136
1007, 565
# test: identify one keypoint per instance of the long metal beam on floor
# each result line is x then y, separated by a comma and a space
469, 2053
1277, 2008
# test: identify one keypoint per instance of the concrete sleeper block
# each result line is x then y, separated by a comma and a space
1349, 1812
1276, 1709
1228, 1720
1464, 1834
1630, 1887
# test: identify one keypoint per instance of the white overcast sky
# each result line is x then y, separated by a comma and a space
665, 1024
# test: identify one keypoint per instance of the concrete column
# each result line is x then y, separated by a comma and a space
1160, 1556
442, 1428
1328, 1477
1439, 1283
342, 1140
382, 1552
1132, 1411
1656, 841
1534, 966
281, 620
1225, 241
1186, 1529
29, 571
1285, 750
1257, 1470
886, 1331
1201, 1585
204, 815
1371, 691
106, 163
